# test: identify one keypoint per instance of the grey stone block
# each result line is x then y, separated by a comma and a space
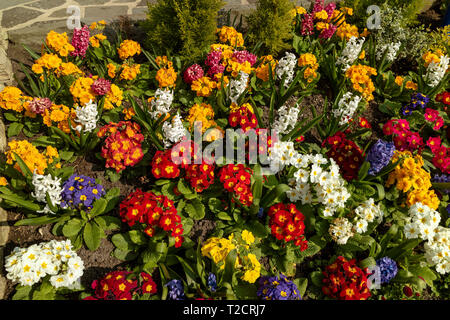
4, 4
109, 14
46, 4
15, 16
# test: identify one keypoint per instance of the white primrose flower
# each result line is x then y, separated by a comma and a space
87, 117
28, 266
341, 230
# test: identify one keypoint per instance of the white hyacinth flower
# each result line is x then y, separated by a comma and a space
436, 71
173, 131
162, 102
237, 86
286, 66
87, 117
350, 53
44, 184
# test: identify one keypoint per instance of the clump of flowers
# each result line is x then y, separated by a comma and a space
441, 155
117, 285
341, 229
81, 90
166, 74
387, 268
173, 131
359, 76
43, 185
176, 290
80, 41
49, 61
287, 223
346, 153
194, 72
417, 99
61, 115
160, 103
86, 117
316, 180
236, 180
153, 212
347, 106
130, 72
277, 288
443, 97
433, 117
238, 86
39, 105
404, 138
310, 61
123, 146
379, 156
231, 36
366, 213
350, 53
410, 176
12, 98
262, 71
344, 280
203, 86
59, 42
287, 119
388, 49
202, 114
247, 263
33, 159
242, 116
423, 223
218, 249
101, 86
286, 67
167, 165
80, 192
55, 258
436, 67
128, 48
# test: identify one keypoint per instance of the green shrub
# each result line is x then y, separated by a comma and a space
183, 27
271, 24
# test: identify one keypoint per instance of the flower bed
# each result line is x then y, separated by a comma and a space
319, 172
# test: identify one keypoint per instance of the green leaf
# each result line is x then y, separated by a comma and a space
195, 209
138, 237
123, 242
368, 262
125, 255
98, 207
45, 292
316, 278
278, 193
23, 167
10, 116
302, 284
224, 216
403, 249
108, 222
37, 221
14, 129
183, 188
92, 235
362, 173
22, 293
72, 227
245, 291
